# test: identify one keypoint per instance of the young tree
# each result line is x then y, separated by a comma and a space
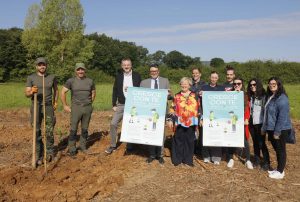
54, 29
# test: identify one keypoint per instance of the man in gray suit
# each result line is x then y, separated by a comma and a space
155, 82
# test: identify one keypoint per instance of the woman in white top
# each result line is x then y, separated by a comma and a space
257, 96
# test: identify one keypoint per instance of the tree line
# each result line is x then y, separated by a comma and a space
55, 30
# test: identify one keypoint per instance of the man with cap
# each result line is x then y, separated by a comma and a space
156, 82
34, 85
83, 94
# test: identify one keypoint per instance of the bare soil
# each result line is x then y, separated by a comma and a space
118, 177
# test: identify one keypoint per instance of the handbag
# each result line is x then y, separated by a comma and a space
291, 136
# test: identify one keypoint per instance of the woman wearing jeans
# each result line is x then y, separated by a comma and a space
277, 123
257, 96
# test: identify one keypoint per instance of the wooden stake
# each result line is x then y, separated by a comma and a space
33, 163
44, 123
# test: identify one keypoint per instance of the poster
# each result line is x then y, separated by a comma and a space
144, 116
223, 118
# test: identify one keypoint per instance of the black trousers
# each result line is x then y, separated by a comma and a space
183, 145
231, 150
259, 142
279, 146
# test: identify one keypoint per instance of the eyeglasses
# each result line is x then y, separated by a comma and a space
252, 84
154, 71
237, 84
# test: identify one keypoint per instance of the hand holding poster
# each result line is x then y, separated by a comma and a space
223, 118
144, 116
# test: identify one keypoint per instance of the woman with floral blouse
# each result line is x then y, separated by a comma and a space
184, 114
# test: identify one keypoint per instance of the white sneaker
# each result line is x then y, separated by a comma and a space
230, 163
271, 171
206, 160
216, 162
277, 175
249, 165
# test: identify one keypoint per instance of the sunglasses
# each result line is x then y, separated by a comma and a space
237, 84
253, 84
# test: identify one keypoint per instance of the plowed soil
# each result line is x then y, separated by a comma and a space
118, 177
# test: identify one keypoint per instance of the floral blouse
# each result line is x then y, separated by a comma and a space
185, 109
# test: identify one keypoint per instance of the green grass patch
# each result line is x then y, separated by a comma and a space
12, 96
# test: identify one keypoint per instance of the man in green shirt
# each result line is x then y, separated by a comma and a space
34, 85
83, 94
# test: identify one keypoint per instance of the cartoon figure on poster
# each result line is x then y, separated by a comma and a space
155, 117
234, 119
211, 118
133, 114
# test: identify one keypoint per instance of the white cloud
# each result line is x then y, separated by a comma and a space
285, 25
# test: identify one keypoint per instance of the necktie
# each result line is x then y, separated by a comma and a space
155, 84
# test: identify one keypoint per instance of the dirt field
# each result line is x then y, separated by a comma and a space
98, 177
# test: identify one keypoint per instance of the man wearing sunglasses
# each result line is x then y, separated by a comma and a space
83, 93
34, 85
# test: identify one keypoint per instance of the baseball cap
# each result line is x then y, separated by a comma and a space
40, 60
80, 65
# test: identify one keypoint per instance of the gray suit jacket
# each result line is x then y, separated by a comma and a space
163, 83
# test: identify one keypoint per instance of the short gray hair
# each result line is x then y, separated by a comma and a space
189, 80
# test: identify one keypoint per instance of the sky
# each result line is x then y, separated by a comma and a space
235, 30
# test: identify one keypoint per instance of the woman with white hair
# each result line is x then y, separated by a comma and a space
184, 114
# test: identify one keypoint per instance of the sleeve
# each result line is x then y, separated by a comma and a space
55, 82
114, 93
68, 84
282, 109
171, 115
247, 111
29, 81
93, 87
139, 79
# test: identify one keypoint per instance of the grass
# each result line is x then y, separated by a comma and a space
12, 96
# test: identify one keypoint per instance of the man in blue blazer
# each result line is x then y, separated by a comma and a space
155, 82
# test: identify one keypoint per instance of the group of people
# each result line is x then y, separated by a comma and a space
265, 112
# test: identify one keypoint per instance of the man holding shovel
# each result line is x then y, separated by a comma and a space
45, 86
83, 94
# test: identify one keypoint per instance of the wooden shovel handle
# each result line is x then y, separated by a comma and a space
34, 131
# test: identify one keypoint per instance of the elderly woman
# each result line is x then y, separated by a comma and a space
277, 123
184, 113
257, 97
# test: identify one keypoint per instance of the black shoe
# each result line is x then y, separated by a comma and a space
128, 152
265, 167
256, 163
150, 159
72, 153
161, 160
